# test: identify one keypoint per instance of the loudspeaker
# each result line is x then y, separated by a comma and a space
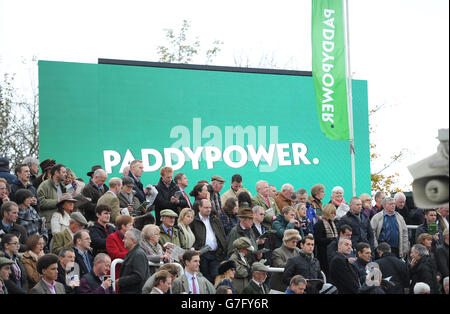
431, 176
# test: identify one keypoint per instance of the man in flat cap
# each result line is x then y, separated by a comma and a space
168, 233
257, 285
217, 185
64, 239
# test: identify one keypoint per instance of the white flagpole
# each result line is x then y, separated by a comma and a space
349, 96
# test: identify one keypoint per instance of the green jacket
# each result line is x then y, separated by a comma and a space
258, 200
176, 238
243, 272
61, 240
112, 201
48, 198
253, 288
236, 233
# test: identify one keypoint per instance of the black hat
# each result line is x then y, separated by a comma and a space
46, 164
96, 167
4, 162
225, 266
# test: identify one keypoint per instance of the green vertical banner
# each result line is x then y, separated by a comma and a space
329, 69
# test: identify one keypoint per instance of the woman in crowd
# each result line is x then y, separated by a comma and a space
325, 231
64, 208
367, 208
242, 246
426, 240
114, 242
305, 224
10, 248
200, 191
280, 256
228, 216
337, 199
153, 250
28, 217
35, 245
316, 197
184, 220
127, 198
225, 275
73, 185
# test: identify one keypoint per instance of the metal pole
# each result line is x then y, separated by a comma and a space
349, 97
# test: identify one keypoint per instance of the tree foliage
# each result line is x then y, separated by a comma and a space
380, 181
182, 50
19, 122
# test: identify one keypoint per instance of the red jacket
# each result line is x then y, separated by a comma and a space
115, 248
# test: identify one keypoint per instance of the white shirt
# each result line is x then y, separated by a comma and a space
59, 223
210, 235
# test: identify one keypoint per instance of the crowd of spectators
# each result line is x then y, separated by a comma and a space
60, 235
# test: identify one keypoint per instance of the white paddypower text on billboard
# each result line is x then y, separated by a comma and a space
237, 152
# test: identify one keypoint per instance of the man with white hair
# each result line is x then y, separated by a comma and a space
390, 227
33, 163
286, 197
422, 269
265, 201
134, 270
421, 288
94, 190
400, 204
445, 285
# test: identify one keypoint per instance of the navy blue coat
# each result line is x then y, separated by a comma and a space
6, 174
361, 231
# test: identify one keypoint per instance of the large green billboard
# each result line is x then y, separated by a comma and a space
202, 121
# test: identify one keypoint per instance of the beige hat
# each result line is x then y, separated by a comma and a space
257, 266
243, 243
217, 178
66, 197
168, 213
291, 234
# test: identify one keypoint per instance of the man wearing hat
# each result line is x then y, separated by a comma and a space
50, 191
257, 285
46, 167
242, 248
5, 171
217, 185
64, 239
243, 229
168, 233
6, 284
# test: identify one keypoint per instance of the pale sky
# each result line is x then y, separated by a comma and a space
399, 46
